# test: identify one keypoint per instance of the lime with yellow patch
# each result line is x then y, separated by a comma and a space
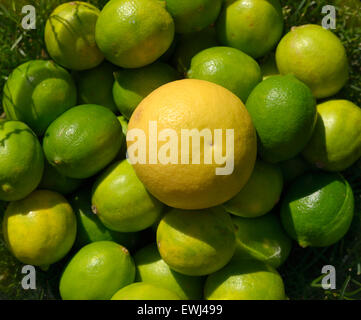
40, 229
70, 35
21, 160
134, 33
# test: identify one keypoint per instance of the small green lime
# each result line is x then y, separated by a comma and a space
283, 111
152, 269
131, 86
228, 67
317, 209
37, 92
336, 141
260, 194
97, 272
245, 280
144, 291
263, 239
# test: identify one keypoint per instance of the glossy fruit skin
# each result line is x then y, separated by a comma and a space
144, 291
21, 160
317, 209
152, 269
336, 141
131, 86
193, 15
34, 86
90, 228
260, 194
185, 105
69, 36
245, 280
53, 180
188, 45
83, 140
252, 26
315, 56
263, 239
283, 112
137, 39
39, 229
95, 86
196, 243
121, 201
96, 272
228, 67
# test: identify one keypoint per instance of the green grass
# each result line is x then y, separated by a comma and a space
302, 271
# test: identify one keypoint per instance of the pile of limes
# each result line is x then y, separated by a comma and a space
176, 149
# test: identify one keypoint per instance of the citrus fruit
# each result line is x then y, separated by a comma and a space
260, 194
131, 86
89, 227
152, 269
268, 66
315, 56
196, 243
245, 280
95, 86
293, 168
39, 229
188, 45
228, 67
202, 111
134, 33
193, 15
83, 140
336, 141
144, 291
53, 180
96, 272
317, 209
121, 201
37, 92
283, 112
21, 160
69, 35
262, 238
252, 26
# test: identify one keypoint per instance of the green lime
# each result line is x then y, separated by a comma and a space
293, 168
83, 140
89, 227
53, 180
196, 243
144, 291
252, 26
134, 33
121, 201
193, 15
315, 56
228, 67
21, 160
245, 280
70, 35
96, 272
131, 86
260, 194
95, 86
189, 45
336, 141
283, 112
39, 229
152, 269
37, 92
317, 209
263, 239
268, 66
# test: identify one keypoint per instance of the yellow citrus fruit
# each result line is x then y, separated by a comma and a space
197, 124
